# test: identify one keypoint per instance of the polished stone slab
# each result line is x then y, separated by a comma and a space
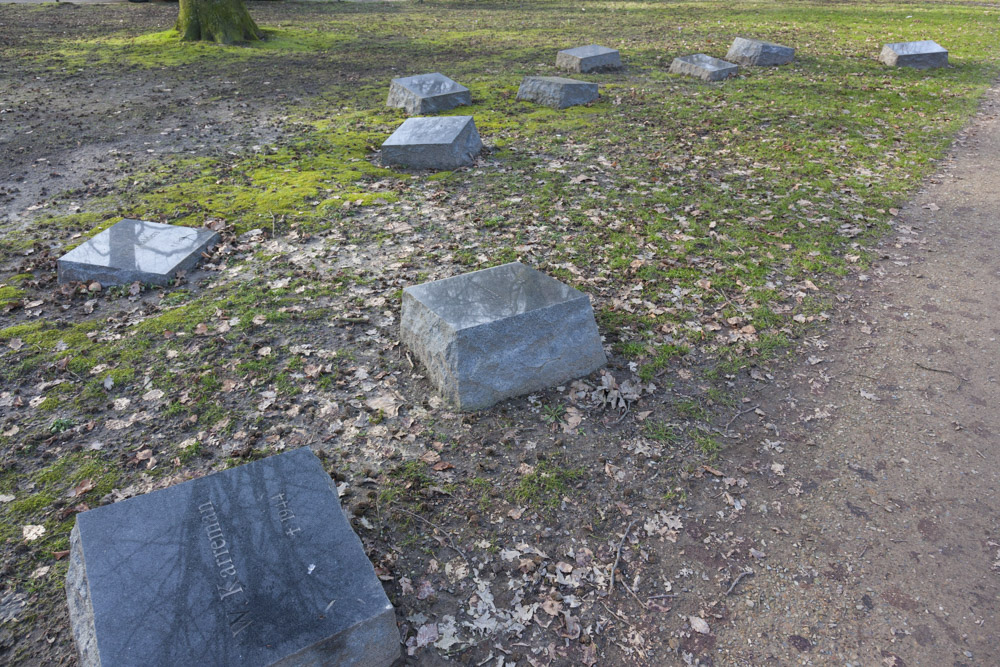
427, 94
256, 565
500, 332
136, 250
433, 143
592, 58
756, 52
556, 91
925, 54
703, 67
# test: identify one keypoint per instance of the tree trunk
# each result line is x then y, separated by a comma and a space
222, 21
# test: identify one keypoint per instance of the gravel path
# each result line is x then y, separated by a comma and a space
881, 543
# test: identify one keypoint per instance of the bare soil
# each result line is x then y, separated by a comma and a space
851, 519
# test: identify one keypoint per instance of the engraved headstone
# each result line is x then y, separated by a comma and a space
500, 332
132, 250
756, 52
703, 67
427, 94
592, 58
556, 91
255, 565
924, 54
448, 142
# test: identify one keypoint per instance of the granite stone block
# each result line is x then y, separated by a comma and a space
449, 142
500, 332
556, 91
925, 54
256, 565
427, 94
132, 250
756, 52
703, 67
592, 58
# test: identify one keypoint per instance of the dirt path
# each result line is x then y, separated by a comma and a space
880, 544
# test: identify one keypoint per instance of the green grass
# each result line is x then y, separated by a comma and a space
545, 486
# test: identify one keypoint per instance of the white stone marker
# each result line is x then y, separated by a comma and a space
925, 54
556, 91
703, 67
427, 94
449, 142
500, 332
753, 52
592, 58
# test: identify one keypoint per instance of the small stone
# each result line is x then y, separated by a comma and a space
433, 143
427, 94
500, 332
556, 91
754, 52
703, 67
925, 54
592, 58
135, 250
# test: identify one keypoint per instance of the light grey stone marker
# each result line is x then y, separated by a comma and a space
556, 91
924, 54
132, 250
427, 94
703, 67
756, 52
433, 143
500, 332
592, 58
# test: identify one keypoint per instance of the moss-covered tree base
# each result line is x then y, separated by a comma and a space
222, 21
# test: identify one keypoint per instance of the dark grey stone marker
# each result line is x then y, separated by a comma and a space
924, 54
755, 52
427, 94
556, 91
433, 143
132, 250
703, 67
500, 332
256, 565
592, 58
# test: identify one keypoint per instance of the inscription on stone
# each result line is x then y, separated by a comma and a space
253, 566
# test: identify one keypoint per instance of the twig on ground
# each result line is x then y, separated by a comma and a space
662, 596
936, 370
434, 525
645, 605
737, 580
618, 556
864, 551
740, 414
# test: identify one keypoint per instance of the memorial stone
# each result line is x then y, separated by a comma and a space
427, 94
755, 52
556, 91
449, 142
136, 250
925, 54
703, 67
591, 58
500, 332
256, 565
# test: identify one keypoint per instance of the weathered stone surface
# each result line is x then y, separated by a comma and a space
924, 54
756, 52
433, 143
556, 91
256, 565
592, 58
703, 67
427, 94
132, 250
500, 332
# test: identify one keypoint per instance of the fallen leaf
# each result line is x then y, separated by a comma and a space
6, 498
153, 395
40, 572
699, 625
83, 487
31, 532
264, 351
868, 395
